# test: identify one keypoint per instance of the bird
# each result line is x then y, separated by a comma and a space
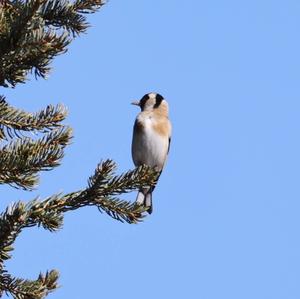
151, 140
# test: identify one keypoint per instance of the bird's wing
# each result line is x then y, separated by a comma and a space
169, 144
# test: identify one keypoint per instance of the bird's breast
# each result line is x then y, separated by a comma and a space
148, 146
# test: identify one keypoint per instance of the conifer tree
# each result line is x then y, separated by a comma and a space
32, 33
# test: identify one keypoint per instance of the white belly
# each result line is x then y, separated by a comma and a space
150, 148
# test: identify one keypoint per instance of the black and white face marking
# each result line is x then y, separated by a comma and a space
158, 100
150, 101
143, 101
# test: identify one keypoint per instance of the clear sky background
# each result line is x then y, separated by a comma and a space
226, 218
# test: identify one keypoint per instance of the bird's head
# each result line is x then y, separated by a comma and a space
152, 101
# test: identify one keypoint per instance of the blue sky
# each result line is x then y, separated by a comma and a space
226, 210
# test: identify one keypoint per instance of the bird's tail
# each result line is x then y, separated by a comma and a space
144, 198
140, 198
148, 202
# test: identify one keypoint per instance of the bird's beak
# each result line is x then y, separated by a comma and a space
136, 103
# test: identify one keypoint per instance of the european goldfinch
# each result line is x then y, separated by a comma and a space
151, 139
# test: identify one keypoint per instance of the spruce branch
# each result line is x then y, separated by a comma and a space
68, 15
88, 6
13, 120
21, 215
29, 289
33, 32
16, 15
35, 51
21, 160
102, 188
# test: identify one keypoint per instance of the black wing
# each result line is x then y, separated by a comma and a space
169, 144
